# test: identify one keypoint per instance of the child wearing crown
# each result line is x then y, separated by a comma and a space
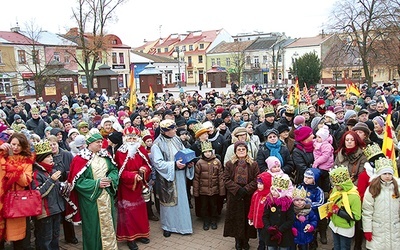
306, 219
346, 208
208, 185
258, 201
278, 217
381, 208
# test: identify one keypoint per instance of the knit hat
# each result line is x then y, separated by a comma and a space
218, 122
315, 121
271, 131
80, 141
384, 166
191, 121
225, 114
104, 120
219, 110
126, 120
282, 128
320, 101
349, 113
379, 120
72, 130
338, 109
323, 133
298, 120
54, 117
351, 122
240, 143
17, 116
330, 114
302, 133
115, 137
272, 161
93, 135
313, 173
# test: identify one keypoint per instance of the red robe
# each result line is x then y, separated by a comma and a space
132, 211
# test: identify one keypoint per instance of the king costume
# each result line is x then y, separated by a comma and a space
171, 184
93, 204
132, 210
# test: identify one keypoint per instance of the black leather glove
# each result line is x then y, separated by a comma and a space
342, 213
241, 193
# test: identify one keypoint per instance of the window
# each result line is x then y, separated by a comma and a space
212, 61
256, 62
248, 60
228, 62
121, 58
35, 57
356, 74
190, 74
183, 48
190, 60
1, 58
159, 50
218, 61
165, 50
201, 46
265, 59
114, 58
100, 57
21, 57
200, 59
67, 58
190, 47
337, 75
56, 57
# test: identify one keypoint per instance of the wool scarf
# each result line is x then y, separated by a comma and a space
275, 150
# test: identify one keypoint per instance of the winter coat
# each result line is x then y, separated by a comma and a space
311, 218
52, 201
36, 125
323, 155
314, 193
354, 163
262, 127
301, 160
258, 201
287, 166
381, 216
208, 177
283, 220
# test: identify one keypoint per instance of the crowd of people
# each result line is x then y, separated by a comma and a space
270, 164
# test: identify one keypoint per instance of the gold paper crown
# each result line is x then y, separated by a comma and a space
281, 182
42, 147
78, 110
290, 110
339, 175
145, 133
303, 108
299, 193
372, 150
234, 111
269, 109
111, 102
382, 163
34, 111
206, 146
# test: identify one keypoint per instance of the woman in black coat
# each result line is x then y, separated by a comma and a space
272, 147
302, 154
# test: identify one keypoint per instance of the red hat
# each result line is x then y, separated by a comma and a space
321, 101
131, 131
274, 102
219, 110
302, 133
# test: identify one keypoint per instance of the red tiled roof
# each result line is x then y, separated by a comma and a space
15, 37
309, 41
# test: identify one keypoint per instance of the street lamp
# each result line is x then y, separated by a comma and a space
176, 54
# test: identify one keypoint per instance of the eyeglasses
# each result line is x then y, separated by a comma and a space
240, 149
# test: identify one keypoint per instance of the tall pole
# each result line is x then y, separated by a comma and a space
179, 68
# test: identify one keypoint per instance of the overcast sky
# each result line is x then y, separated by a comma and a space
139, 20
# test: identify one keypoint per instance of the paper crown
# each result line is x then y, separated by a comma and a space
199, 129
372, 150
269, 109
290, 110
206, 146
303, 108
339, 175
34, 111
281, 182
78, 110
42, 147
383, 163
234, 111
299, 193
144, 133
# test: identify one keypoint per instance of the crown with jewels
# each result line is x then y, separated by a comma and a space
372, 150
382, 163
303, 108
339, 175
206, 146
299, 193
269, 109
281, 182
42, 147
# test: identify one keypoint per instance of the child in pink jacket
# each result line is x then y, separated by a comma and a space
323, 156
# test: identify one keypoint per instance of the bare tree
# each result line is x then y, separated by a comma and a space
363, 23
239, 59
92, 16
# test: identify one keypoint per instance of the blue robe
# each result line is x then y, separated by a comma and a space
174, 218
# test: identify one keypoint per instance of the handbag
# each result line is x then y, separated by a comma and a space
22, 203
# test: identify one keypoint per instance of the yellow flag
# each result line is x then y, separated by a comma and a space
290, 97
151, 98
387, 145
132, 88
296, 94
